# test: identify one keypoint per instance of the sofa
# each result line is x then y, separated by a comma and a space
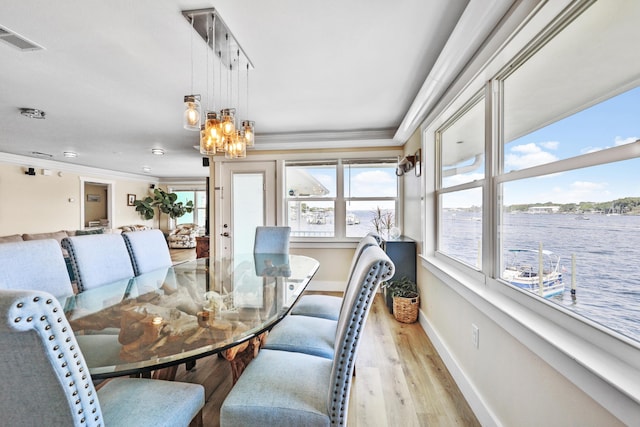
183, 237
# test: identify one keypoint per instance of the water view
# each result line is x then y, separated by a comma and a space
321, 223
606, 247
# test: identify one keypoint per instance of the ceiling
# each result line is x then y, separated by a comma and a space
112, 75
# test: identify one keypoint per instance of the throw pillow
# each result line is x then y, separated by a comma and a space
85, 232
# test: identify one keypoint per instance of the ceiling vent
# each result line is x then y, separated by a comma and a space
17, 41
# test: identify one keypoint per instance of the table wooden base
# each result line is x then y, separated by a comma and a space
241, 355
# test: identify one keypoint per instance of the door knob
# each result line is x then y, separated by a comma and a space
225, 234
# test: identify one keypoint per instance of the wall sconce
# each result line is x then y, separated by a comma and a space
410, 162
405, 165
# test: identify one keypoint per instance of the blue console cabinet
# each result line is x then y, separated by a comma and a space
402, 251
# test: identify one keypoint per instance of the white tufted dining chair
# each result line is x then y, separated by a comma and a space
148, 250
98, 259
35, 264
289, 388
328, 306
46, 381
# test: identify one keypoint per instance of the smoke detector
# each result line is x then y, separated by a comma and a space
32, 113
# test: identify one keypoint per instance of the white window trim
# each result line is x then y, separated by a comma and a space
339, 200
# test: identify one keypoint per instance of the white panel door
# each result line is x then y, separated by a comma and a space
248, 199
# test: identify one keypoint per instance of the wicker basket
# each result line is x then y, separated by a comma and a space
405, 310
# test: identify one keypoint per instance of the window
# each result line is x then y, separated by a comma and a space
576, 197
199, 214
565, 163
311, 198
461, 144
371, 194
341, 198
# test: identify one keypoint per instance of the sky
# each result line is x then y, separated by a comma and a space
611, 123
365, 182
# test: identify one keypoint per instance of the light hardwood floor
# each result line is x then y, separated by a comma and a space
400, 379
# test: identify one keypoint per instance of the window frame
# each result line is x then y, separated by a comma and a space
478, 97
173, 223
340, 200
601, 362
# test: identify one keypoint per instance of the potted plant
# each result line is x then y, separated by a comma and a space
165, 203
406, 299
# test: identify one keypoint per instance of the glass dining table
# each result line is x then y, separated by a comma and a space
158, 320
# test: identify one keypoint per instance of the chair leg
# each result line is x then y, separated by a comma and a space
197, 420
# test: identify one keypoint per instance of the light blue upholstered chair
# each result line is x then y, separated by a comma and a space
272, 240
98, 259
148, 249
35, 264
46, 382
315, 335
328, 306
283, 388
376, 236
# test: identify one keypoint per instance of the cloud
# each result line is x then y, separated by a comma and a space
374, 183
550, 145
618, 141
575, 192
623, 141
528, 155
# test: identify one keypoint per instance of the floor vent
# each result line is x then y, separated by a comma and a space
17, 41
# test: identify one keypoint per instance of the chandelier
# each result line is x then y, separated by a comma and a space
220, 130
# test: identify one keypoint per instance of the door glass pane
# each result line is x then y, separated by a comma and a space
248, 211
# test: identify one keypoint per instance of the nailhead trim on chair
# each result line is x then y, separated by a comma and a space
79, 387
381, 271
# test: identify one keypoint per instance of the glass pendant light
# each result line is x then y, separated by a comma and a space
212, 127
230, 147
192, 112
241, 145
228, 121
247, 127
207, 142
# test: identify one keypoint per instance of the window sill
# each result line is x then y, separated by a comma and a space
603, 366
324, 243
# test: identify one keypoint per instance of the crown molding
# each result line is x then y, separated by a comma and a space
38, 163
332, 139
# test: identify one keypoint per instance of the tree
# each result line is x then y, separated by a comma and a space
165, 203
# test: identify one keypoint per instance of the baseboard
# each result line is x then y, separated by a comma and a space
484, 415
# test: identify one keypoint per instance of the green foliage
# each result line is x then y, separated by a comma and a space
403, 287
164, 202
625, 205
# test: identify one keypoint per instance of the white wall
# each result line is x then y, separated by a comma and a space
46, 203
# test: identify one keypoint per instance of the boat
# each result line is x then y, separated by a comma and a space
524, 265
352, 219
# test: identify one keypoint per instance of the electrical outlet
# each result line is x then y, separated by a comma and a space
475, 336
